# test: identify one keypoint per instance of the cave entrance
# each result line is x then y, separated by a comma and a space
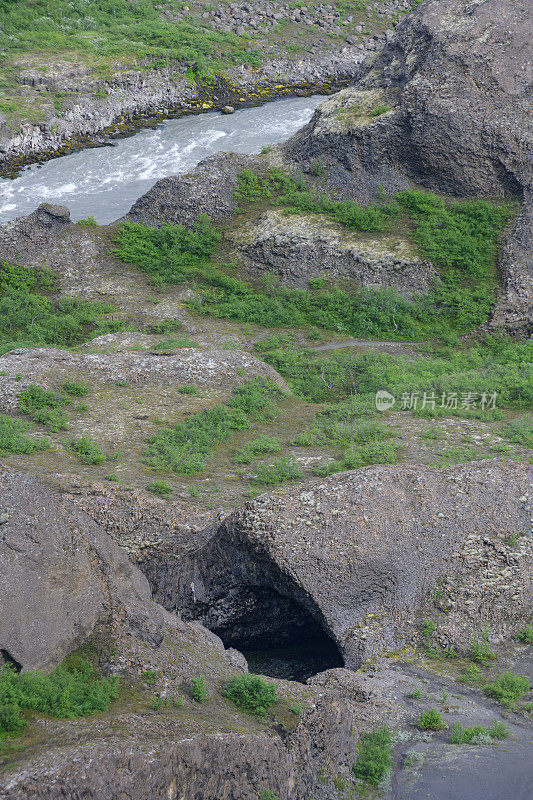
275, 633
6, 659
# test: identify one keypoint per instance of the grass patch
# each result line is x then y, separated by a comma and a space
44, 407
251, 693
67, 692
13, 437
185, 447
374, 756
508, 688
107, 30
282, 470
257, 447
33, 313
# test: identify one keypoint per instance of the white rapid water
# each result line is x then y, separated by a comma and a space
104, 182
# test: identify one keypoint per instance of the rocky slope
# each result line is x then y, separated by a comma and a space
66, 583
453, 115
366, 554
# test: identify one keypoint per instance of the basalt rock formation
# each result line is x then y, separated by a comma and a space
446, 104
63, 578
365, 554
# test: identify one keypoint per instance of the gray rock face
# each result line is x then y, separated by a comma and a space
367, 553
298, 248
62, 577
455, 79
208, 189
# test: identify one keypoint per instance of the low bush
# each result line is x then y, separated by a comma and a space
44, 407
374, 756
199, 689
13, 437
32, 312
65, 692
251, 693
283, 469
87, 450
520, 430
525, 635
257, 447
480, 649
431, 720
161, 488
171, 253
508, 688
478, 734
471, 674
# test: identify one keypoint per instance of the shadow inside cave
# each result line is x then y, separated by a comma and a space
277, 635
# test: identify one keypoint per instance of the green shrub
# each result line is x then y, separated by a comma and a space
160, 487
374, 756
283, 469
65, 692
14, 440
478, 734
377, 453
379, 110
525, 635
199, 689
431, 720
508, 688
171, 253
87, 222
268, 795
87, 450
185, 447
471, 674
520, 430
188, 390
32, 312
480, 649
75, 389
251, 693
250, 450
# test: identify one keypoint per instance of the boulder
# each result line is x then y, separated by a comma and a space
207, 189
368, 554
63, 579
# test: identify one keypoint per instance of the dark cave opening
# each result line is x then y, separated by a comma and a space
277, 635
6, 659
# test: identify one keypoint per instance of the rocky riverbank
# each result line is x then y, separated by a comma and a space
138, 99
53, 109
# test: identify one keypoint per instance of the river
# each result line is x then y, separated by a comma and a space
104, 182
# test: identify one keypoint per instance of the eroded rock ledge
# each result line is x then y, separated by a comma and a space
367, 553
